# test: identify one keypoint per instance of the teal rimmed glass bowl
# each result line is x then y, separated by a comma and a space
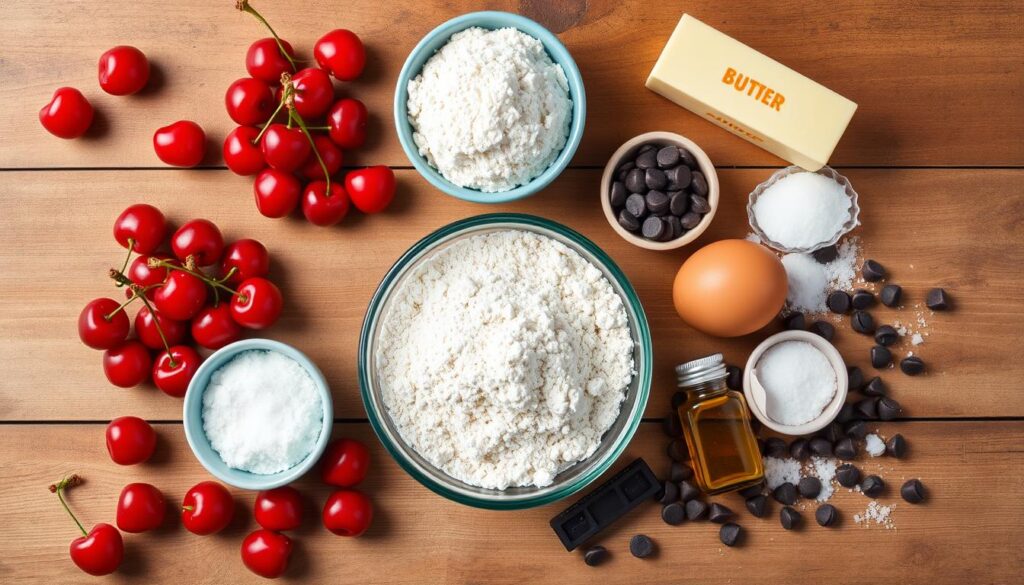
572, 479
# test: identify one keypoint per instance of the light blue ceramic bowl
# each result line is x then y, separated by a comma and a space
193, 416
434, 40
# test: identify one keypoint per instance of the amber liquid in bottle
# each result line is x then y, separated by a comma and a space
723, 450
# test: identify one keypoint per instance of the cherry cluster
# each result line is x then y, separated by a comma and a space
292, 130
202, 287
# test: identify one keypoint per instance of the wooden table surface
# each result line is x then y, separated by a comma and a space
934, 151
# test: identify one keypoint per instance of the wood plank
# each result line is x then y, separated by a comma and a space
421, 538
957, 229
938, 83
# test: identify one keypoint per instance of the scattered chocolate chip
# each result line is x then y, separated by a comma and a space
838, 302
757, 505
896, 446
856, 429
832, 432
881, 357
846, 413
868, 408
699, 204
734, 378
641, 546
886, 335
687, 491
595, 555
871, 271
891, 294
655, 179
696, 510
669, 493
677, 472
668, 156
888, 408
809, 487
775, 447
860, 321
751, 491
672, 426
653, 228
698, 184
678, 451
855, 378
826, 254
628, 221
647, 159
687, 158
678, 399
795, 322
730, 534
872, 486
826, 515
912, 365
847, 475
635, 181
618, 194
678, 203
862, 299
636, 205
820, 446
845, 449
913, 491
789, 518
937, 299
875, 387
673, 513
719, 514
799, 449
785, 493
823, 329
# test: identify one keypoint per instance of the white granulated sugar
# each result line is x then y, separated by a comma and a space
824, 468
807, 282
504, 359
842, 272
262, 412
798, 380
876, 513
874, 445
490, 110
917, 339
802, 210
779, 471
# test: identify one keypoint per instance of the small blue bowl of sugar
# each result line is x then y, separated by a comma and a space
258, 414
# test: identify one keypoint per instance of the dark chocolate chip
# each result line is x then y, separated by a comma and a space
696, 510
847, 475
913, 491
678, 399
668, 156
775, 447
678, 472
838, 302
872, 486
669, 493
655, 179
635, 181
875, 387
847, 413
826, 515
826, 254
699, 204
719, 514
653, 228
687, 158
789, 518
618, 195
625, 167
860, 320
937, 299
698, 184
636, 205
785, 493
868, 408
862, 299
647, 159
672, 426
799, 449
856, 429
886, 335
896, 446
734, 378
820, 446
795, 322
832, 432
890, 295
881, 357
641, 546
645, 148
673, 513
912, 365
595, 555
888, 408
679, 176
687, 491
855, 377
657, 202
753, 490
757, 505
823, 329
809, 487
674, 225
628, 221
678, 203
871, 271
730, 534
845, 449
690, 220
678, 451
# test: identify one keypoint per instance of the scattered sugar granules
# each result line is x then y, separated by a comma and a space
874, 445
876, 513
917, 339
810, 281
779, 471
824, 468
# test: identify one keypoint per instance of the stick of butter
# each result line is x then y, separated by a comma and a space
750, 94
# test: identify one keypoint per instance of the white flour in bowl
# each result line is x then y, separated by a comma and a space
490, 110
504, 359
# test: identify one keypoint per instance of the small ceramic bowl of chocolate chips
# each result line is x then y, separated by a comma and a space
659, 191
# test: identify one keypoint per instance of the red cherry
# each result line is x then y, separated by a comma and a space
68, 114
130, 440
321, 209
143, 224
314, 92
249, 101
181, 296
128, 364
330, 154
266, 553
277, 192
181, 144
258, 303
241, 153
173, 375
279, 508
341, 53
199, 238
348, 513
265, 62
142, 274
213, 327
371, 189
347, 123
100, 327
284, 148
146, 329
140, 508
345, 463
100, 552
207, 508
124, 70
248, 257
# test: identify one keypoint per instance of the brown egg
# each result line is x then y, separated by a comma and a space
730, 288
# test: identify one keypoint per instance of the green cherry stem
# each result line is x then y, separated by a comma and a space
156, 262
159, 329
59, 487
323, 166
131, 244
280, 106
122, 306
244, 6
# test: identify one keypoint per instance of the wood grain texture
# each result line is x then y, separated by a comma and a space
926, 226
968, 528
938, 84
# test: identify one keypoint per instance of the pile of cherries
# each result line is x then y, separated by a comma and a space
292, 129
208, 506
202, 288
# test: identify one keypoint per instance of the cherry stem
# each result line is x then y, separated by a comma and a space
156, 262
323, 166
121, 307
277, 111
159, 329
131, 244
244, 6
59, 487
325, 128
